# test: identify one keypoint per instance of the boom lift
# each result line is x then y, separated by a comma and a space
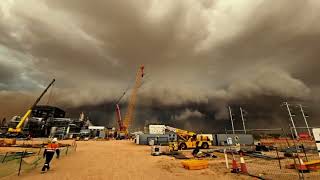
126, 123
188, 139
18, 130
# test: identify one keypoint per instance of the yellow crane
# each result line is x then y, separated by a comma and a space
129, 117
188, 139
18, 129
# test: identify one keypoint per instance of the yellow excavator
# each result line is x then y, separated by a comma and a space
189, 140
18, 129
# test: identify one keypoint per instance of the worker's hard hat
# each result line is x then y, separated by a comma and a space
54, 140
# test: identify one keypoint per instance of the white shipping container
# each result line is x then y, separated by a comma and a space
157, 129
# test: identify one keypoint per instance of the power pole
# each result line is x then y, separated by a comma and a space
243, 123
291, 118
231, 119
305, 119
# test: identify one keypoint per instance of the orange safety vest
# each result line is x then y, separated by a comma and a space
52, 147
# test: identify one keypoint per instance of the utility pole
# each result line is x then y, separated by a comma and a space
243, 123
231, 119
305, 119
291, 118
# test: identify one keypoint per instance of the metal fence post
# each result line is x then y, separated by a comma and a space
278, 157
304, 151
301, 175
293, 157
226, 157
22, 156
67, 150
39, 151
5, 156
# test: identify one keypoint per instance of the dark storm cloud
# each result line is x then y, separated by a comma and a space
200, 56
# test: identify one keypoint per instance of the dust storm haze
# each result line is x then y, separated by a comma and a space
200, 56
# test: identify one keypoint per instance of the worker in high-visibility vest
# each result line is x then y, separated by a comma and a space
53, 147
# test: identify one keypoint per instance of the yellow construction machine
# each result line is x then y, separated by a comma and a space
18, 129
189, 140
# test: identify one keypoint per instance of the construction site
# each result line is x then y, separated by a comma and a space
171, 112
174, 151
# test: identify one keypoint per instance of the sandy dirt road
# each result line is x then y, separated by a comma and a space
122, 160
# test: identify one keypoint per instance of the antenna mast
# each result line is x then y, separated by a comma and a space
291, 118
305, 119
231, 119
243, 123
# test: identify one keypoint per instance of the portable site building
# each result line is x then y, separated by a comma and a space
222, 139
97, 131
145, 139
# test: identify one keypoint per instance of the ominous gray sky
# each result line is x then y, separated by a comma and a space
200, 56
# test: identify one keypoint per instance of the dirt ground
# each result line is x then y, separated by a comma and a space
124, 160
